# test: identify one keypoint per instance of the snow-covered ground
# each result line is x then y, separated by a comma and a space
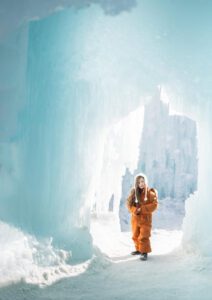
176, 275
169, 273
27, 259
107, 236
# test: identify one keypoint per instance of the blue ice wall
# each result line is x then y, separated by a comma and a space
59, 131
85, 70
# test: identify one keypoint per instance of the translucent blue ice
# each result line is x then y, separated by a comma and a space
70, 76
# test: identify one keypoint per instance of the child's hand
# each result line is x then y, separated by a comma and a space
138, 210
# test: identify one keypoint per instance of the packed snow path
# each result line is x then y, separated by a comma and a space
118, 275
169, 276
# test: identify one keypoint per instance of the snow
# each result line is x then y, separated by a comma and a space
170, 272
27, 259
111, 241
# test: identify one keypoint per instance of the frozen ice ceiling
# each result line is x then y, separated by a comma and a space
14, 13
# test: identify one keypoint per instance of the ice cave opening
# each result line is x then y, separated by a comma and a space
158, 141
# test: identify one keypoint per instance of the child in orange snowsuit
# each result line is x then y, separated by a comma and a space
141, 202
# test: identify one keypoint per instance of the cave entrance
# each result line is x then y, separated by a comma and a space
161, 143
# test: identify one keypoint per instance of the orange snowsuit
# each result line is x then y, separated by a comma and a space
141, 223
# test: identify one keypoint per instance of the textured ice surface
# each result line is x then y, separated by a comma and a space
65, 79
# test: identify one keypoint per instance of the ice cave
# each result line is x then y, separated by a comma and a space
91, 93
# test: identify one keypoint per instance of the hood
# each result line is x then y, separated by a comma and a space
146, 185
140, 174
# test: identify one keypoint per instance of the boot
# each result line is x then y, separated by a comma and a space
136, 252
144, 256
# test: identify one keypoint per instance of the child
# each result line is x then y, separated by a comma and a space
141, 202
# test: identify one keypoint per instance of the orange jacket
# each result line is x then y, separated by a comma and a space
146, 207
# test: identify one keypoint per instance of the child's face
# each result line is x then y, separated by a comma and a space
141, 183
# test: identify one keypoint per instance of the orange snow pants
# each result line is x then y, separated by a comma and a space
141, 235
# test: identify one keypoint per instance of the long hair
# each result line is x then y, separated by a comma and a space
137, 189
